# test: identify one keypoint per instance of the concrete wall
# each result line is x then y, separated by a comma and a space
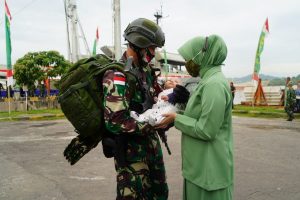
31, 104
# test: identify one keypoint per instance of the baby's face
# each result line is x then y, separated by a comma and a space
170, 84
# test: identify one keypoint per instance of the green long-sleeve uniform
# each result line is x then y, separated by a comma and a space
206, 133
206, 125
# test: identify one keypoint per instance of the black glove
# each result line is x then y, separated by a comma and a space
78, 147
181, 94
148, 129
109, 147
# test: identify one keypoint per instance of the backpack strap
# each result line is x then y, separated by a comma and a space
72, 89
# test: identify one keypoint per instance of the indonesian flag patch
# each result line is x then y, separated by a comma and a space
119, 78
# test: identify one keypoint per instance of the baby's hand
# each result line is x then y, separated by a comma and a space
165, 98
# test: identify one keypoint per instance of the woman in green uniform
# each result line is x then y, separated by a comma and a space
206, 126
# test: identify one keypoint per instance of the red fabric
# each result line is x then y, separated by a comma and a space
97, 34
7, 10
9, 73
116, 78
267, 25
255, 77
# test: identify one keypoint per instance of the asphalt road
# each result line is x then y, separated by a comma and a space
267, 162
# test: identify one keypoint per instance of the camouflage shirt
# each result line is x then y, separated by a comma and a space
117, 101
290, 97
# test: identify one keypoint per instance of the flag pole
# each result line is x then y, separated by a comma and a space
8, 95
260, 47
166, 65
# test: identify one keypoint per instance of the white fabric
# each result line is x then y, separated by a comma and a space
154, 115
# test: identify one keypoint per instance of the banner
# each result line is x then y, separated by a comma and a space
260, 47
9, 74
96, 42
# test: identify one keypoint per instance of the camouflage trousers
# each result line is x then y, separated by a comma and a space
290, 112
141, 181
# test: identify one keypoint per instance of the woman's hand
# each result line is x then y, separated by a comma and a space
169, 118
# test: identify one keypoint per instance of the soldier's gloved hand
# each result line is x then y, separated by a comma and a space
181, 94
148, 129
166, 128
78, 147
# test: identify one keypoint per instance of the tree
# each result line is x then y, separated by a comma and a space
38, 66
282, 81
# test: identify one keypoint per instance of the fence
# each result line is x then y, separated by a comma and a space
16, 94
33, 103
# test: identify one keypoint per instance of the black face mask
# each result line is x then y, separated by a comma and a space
192, 68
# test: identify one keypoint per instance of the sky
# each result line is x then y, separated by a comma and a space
39, 25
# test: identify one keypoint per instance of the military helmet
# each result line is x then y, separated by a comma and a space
144, 33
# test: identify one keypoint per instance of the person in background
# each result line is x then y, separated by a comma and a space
298, 97
290, 101
1, 88
232, 88
206, 124
288, 79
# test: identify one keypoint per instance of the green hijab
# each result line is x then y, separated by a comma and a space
214, 55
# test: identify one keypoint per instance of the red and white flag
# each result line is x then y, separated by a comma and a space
119, 78
260, 47
9, 74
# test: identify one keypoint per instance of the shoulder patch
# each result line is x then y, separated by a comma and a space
119, 78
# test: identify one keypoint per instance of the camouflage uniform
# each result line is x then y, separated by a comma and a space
143, 176
290, 103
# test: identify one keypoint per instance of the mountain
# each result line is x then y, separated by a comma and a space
249, 78
273, 80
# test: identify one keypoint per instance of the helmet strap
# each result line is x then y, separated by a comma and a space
139, 54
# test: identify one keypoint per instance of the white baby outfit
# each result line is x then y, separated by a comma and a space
154, 115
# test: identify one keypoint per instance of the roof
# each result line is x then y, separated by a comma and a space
172, 58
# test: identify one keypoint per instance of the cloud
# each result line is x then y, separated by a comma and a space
41, 26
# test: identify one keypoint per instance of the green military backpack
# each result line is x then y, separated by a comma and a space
81, 100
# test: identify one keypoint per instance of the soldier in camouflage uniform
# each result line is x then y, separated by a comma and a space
290, 101
139, 164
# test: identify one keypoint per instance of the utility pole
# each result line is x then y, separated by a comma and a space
73, 36
158, 15
117, 29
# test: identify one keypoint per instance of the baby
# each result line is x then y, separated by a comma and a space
165, 103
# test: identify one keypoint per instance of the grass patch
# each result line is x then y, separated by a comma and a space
267, 109
261, 112
239, 110
30, 112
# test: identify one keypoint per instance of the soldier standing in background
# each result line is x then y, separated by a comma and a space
232, 88
288, 79
138, 155
298, 97
290, 101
